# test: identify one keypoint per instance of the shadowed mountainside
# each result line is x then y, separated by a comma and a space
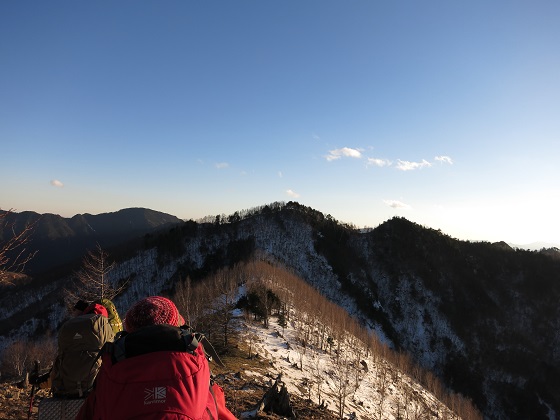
483, 317
60, 240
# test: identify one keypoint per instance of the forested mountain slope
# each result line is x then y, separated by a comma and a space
484, 317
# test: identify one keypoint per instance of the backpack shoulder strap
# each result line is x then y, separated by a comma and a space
117, 349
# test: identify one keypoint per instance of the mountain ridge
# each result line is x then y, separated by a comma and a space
60, 240
482, 316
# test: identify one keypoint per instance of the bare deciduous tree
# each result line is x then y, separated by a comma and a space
226, 290
183, 298
92, 281
343, 387
14, 254
318, 377
19, 356
249, 335
15, 358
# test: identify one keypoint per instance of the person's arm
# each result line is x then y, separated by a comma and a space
223, 412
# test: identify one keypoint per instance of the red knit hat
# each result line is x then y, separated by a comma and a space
152, 310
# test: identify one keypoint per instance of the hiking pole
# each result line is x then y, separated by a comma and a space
36, 376
211, 352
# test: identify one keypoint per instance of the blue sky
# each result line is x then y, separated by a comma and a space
446, 113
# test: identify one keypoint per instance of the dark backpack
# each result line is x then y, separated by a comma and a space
80, 339
160, 371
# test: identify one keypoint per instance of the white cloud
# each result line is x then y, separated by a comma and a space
344, 152
405, 165
292, 194
57, 183
222, 165
280, 174
316, 137
444, 159
396, 204
378, 162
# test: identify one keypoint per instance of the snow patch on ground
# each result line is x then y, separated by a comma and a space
370, 387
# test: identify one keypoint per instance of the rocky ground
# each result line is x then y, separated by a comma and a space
14, 401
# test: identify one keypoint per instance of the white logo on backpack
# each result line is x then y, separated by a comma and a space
77, 336
155, 395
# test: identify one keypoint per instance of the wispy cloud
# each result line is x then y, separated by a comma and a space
280, 175
402, 165
444, 159
222, 165
397, 204
378, 162
405, 165
316, 137
56, 183
292, 194
344, 152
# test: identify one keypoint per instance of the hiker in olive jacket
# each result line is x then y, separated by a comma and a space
79, 341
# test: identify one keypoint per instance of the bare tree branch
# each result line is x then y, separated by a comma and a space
14, 252
92, 281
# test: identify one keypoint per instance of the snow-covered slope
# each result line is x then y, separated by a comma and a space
376, 388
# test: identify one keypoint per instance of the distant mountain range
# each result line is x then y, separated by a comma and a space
60, 240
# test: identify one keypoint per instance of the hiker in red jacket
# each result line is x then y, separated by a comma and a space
156, 370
